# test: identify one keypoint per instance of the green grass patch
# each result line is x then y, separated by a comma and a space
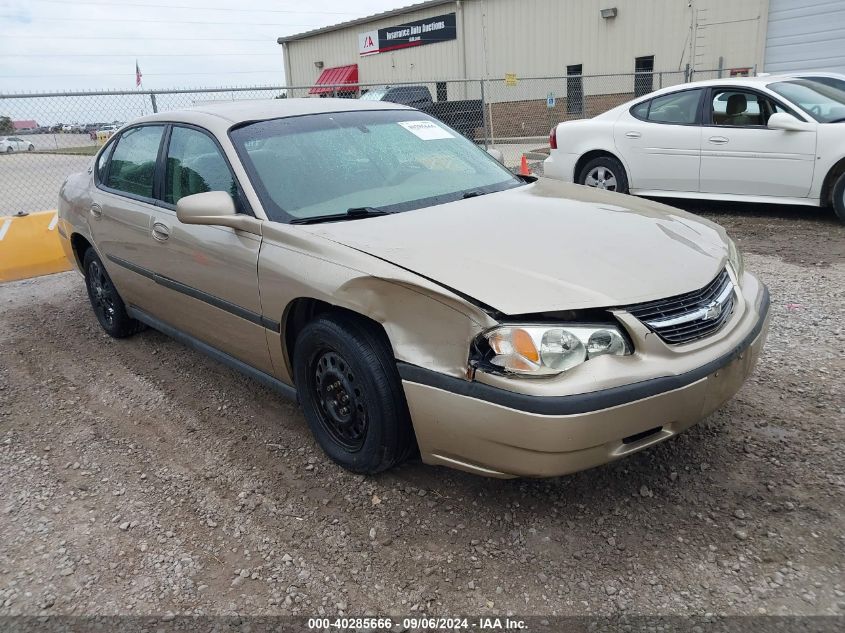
85, 150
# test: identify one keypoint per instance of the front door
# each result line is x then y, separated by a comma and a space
208, 274
660, 140
740, 155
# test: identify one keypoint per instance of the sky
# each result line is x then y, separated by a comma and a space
61, 45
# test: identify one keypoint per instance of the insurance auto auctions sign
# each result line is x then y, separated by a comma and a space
441, 28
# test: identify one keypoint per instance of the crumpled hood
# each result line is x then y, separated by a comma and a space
545, 247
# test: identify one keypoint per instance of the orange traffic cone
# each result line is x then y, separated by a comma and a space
523, 168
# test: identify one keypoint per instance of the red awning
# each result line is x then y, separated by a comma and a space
337, 78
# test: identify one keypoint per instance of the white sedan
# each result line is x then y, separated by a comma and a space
775, 139
9, 144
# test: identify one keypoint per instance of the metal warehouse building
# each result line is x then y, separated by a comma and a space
470, 39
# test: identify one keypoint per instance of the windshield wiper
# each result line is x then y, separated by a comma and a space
474, 194
353, 213
839, 120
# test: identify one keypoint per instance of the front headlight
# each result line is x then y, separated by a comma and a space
544, 350
735, 259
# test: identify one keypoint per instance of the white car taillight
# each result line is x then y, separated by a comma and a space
553, 138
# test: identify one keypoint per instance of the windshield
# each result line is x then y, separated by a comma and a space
389, 160
376, 94
825, 103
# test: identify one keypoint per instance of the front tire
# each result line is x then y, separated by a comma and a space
351, 393
30, 148
839, 198
106, 302
9, 150
604, 172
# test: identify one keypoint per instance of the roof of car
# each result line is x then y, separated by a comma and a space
727, 81
258, 110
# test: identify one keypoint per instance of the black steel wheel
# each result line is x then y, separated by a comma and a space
341, 405
351, 393
105, 300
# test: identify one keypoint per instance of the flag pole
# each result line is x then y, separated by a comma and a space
139, 84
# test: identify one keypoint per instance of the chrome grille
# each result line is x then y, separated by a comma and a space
690, 316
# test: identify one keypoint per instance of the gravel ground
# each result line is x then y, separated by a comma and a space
142, 478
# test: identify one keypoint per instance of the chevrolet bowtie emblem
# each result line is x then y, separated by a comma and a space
712, 310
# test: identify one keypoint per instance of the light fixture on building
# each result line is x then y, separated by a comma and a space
608, 13
318, 64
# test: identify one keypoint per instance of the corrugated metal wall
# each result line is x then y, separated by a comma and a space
536, 38
806, 35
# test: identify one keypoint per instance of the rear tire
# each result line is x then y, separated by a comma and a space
106, 302
351, 393
9, 150
839, 198
30, 148
604, 172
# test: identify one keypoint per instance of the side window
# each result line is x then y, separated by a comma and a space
739, 108
678, 107
133, 163
195, 165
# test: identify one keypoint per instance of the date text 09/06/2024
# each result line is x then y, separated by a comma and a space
417, 623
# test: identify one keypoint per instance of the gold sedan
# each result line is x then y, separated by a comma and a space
410, 291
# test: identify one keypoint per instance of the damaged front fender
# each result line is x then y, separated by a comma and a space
426, 324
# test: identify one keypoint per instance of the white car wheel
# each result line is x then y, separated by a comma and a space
604, 172
601, 178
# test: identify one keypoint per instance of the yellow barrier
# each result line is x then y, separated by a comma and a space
29, 246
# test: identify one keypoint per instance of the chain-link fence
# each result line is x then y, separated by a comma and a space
51, 135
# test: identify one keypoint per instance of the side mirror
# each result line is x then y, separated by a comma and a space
497, 154
785, 121
215, 208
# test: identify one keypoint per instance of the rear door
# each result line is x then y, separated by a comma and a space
741, 155
208, 275
121, 207
660, 142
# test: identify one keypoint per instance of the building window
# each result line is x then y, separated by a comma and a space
574, 89
441, 91
643, 75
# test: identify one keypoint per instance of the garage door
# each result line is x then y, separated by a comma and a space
805, 35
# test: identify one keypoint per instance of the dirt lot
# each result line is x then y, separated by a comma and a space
139, 477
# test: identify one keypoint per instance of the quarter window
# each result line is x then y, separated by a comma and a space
195, 165
133, 163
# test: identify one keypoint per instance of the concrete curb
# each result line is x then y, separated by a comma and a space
30, 246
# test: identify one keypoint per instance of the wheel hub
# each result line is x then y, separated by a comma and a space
340, 400
601, 178
102, 292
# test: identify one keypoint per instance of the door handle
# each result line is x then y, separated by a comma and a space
718, 140
96, 211
633, 134
160, 231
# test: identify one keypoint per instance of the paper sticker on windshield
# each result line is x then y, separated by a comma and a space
426, 130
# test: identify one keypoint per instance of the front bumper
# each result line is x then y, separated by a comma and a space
490, 431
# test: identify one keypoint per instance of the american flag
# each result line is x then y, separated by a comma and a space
138, 75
